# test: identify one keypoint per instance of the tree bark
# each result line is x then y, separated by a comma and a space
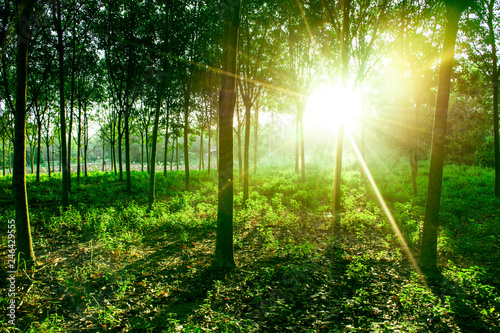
39, 151
246, 171
224, 257
187, 97
428, 254
255, 136
63, 164
25, 253
127, 151
495, 83
209, 142
344, 54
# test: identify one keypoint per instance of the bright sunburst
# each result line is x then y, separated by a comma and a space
331, 106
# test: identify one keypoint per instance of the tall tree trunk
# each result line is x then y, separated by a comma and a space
187, 97
153, 150
103, 155
201, 166
177, 152
148, 164
217, 133
24, 245
39, 151
47, 144
142, 152
127, 151
428, 254
240, 158
63, 164
86, 141
297, 143
3, 156
344, 54
246, 171
79, 142
255, 136
302, 151
224, 257
495, 83
209, 143
166, 142
120, 135
172, 154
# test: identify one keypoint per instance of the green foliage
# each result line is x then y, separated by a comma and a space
116, 250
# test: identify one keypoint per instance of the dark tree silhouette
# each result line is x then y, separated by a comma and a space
224, 243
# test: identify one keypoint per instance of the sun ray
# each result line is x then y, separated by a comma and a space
387, 212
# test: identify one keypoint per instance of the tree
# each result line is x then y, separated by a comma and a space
25, 252
428, 254
483, 35
224, 242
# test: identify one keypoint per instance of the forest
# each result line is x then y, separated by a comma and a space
249, 166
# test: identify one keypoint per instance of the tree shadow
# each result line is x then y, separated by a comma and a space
467, 318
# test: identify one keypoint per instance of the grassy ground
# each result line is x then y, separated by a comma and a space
107, 264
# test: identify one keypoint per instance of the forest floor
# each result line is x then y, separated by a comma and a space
107, 264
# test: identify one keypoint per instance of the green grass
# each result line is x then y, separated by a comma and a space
109, 264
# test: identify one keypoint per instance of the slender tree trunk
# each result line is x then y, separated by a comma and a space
297, 142
153, 150
62, 111
246, 172
103, 155
177, 152
428, 254
240, 158
187, 97
79, 142
25, 254
217, 133
47, 144
255, 136
302, 151
148, 164
344, 50
127, 152
166, 142
201, 166
86, 141
224, 242
3, 157
495, 83
172, 154
142, 152
209, 143
120, 135
39, 151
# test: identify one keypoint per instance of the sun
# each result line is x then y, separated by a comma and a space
331, 106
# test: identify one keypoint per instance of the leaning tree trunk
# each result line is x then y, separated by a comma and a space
224, 257
428, 254
25, 253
